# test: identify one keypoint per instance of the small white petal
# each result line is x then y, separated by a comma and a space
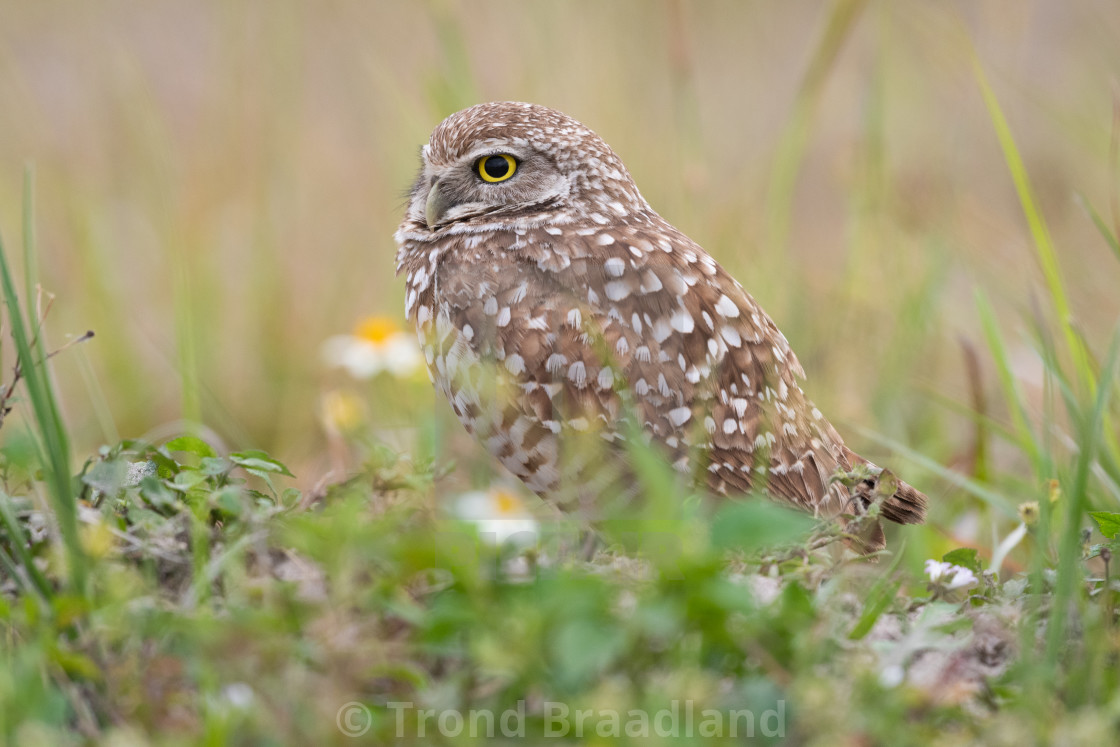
962, 578
935, 569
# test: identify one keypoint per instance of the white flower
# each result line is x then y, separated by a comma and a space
963, 578
949, 576
892, 675
239, 695
499, 516
935, 569
377, 345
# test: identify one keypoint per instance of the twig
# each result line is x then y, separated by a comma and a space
17, 374
1106, 556
978, 457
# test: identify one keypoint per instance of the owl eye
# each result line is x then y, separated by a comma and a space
496, 168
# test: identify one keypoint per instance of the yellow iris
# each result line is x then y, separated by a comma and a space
496, 168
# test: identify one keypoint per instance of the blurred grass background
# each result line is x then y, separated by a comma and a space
217, 184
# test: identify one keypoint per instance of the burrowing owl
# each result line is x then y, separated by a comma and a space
552, 301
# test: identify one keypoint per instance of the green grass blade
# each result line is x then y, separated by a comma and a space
1044, 245
989, 423
1077, 505
791, 148
19, 547
882, 595
1102, 227
30, 266
1027, 439
994, 499
9, 565
55, 445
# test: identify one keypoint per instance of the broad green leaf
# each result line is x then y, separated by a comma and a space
213, 466
584, 647
157, 494
1108, 523
966, 557
187, 479
191, 445
108, 476
229, 501
259, 460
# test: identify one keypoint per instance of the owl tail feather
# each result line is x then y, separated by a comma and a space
905, 505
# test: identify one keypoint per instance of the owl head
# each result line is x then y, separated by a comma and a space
508, 160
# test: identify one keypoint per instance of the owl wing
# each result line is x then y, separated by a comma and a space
711, 377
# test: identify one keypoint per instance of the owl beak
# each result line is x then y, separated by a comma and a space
435, 206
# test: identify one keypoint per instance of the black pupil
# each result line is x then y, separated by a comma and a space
496, 167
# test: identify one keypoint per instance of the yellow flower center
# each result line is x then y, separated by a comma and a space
506, 503
376, 329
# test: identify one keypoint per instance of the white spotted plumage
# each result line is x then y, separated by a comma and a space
558, 302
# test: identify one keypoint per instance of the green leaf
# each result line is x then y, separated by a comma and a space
966, 557
757, 523
1094, 551
583, 648
191, 445
290, 497
69, 609
156, 493
955, 625
259, 460
166, 466
229, 501
108, 476
1108, 523
658, 619
187, 479
77, 665
146, 519
213, 466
